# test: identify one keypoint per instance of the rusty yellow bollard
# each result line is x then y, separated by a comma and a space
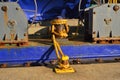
59, 28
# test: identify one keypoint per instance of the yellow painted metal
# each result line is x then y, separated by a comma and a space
55, 46
67, 70
59, 21
62, 33
63, 60
60, 50
112, 1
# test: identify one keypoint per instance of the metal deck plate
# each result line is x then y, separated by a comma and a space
46, 53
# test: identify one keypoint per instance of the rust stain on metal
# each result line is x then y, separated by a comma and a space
12, 23
4, 8
16, 43
28, 64
99, 60
12, 36
107, 21
94, 12
116, 8
3, 65
76, 61
117, 59
107, 40
25, 37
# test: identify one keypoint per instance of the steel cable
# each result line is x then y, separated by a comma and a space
35, 15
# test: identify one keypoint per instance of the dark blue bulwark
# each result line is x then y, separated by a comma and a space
45, 53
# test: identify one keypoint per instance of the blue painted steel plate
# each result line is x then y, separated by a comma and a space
43, 53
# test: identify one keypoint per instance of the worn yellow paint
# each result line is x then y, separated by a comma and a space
112, 1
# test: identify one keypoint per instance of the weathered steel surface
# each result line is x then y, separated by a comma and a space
102, 22
13, 24
45, 53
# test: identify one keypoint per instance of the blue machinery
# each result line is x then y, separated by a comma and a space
16, 33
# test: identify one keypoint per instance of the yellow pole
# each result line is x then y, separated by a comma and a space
60, 50
53, 27
55, 45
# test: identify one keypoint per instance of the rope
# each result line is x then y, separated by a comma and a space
35, 15
29, 10
79, 9
17, 0
97, 2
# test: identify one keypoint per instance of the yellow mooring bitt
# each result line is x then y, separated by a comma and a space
61, 32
